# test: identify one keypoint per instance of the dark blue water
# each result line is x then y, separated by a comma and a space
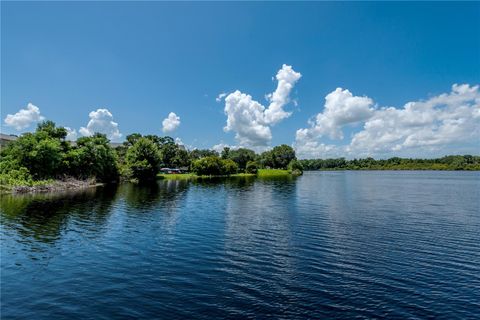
327, 244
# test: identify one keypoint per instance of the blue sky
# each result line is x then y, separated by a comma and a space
143, 60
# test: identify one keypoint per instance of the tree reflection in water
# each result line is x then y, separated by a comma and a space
43, 217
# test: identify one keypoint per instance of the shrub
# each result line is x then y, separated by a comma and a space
295, 165
229, 167
252, 167
16, 177
214, 166
211, 165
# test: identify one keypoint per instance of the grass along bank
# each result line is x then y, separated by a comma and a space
262, 173
190, 176
273, 173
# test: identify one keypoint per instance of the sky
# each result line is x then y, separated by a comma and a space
329, 79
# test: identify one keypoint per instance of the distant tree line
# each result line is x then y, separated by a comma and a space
458, 162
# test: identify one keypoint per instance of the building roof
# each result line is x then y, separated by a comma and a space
9, 137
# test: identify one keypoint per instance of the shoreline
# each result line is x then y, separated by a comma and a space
262, 173
53, 187
70, 184
387, 169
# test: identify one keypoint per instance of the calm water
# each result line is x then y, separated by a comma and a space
327, 244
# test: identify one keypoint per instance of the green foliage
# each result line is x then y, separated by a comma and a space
225, 153
211, 165
229, 167
295, 166
143, 160
181, 158
48, 127
41, 152
19, 176
466, 162
278, 158
93, 157
131, 139
16, 177
46, 155
214, 166
282, 155
171, 154
168, 151
265, 159
241, 156
252, 167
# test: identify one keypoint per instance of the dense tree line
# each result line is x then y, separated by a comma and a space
45, 154
244, 160
465, 162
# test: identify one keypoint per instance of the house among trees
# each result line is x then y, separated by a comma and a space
174, 170
7, 138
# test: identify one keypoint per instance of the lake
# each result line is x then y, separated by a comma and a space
343, 244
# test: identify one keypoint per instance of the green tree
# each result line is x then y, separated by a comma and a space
168, 153
131, 139
295, 166
229, 167
143, 160
211, 165
156, 139
93, 157
266, 160
252, 167
181, 158
52, 130
241, 156
282, 155
41, 152
225, 153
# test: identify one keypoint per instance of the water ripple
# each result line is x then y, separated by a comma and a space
325, 245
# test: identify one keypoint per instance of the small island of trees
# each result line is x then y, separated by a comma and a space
45, 157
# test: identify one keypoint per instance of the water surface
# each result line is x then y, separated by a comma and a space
326, 244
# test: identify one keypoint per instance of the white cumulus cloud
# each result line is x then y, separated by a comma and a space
286, 78
311, 149
171, 122
418, 128
341, 108
439, 122
71, 134
24, 117
101, 121
250, 120
219, 147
